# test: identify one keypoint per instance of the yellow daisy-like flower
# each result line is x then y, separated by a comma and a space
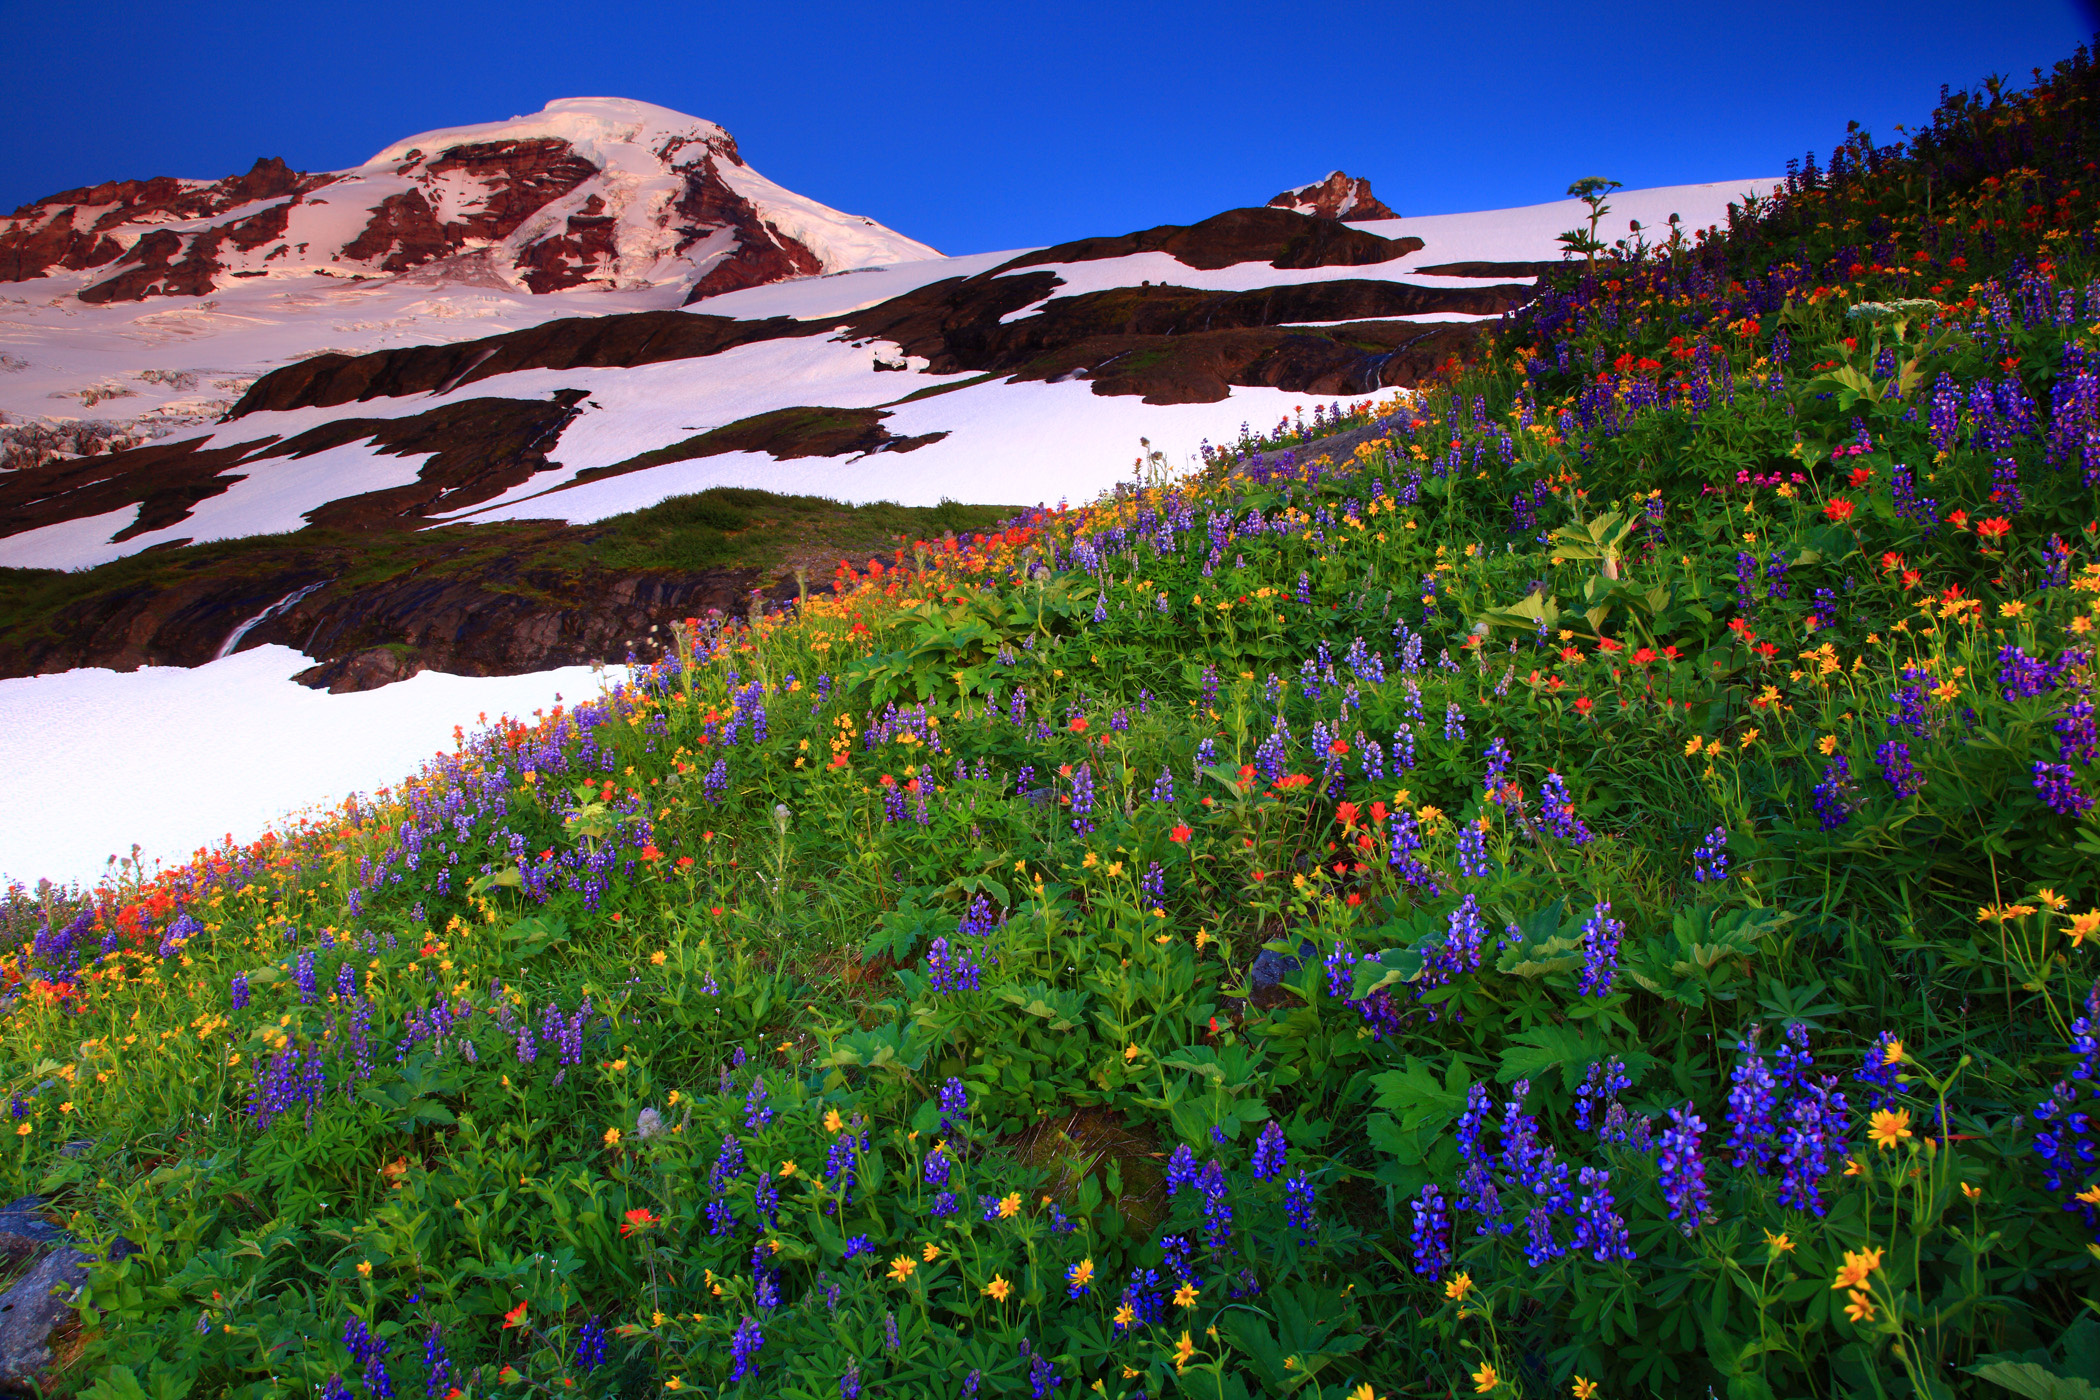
1972, 1192
1859, 1263
1364, 1392
2091, 1195
1183, 1351
1693, 745
1860, 1309
832, 1121
1485, 1379
1125, 1316
2051, 898
901, 1268
998, 1289
1779, 1244
1185, 1296
788, 1167
1892, 1053
364, 1268
657, 958
1885, 1128
1457, 1289
612, 1137
1584, 1388
2084, 926
930, 1253
1010, 1206
1130, 1054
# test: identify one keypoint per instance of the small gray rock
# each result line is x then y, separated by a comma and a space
1269, 970
31, 1311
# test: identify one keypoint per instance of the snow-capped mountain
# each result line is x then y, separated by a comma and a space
589, 192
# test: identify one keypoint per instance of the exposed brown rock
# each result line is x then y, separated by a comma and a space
74, 229
1339, 196
761, 254
520, 178
568, 259
402, 233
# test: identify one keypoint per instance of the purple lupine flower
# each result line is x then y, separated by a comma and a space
1684, 1169
1710, 861
239, 988
1300, 1203
1270, 1151
952, 968
1881, 1069
1811, 1141
861, 1244
1598, 1225
304, 976
955, 1107
744, 1346
437, 1367
1454, 723
1752, 1106
1432, 1232
1558, 810
937, 1166
1834, 798
1181, 1168
1600, 950
2077, 733
849, 1382
1896, 766
2022, 676
1472, 851
1497, 769
2058, 785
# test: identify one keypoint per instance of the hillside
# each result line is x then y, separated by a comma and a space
1568, 877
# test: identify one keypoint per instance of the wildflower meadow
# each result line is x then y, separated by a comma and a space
1584, 892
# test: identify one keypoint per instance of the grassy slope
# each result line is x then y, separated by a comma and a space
1022, 919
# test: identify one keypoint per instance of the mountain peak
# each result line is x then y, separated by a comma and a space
1339, 196
603, 192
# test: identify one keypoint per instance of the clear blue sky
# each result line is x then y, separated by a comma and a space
993, 125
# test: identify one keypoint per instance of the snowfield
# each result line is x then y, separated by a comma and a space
175, 759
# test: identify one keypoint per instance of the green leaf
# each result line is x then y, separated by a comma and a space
2034, 1381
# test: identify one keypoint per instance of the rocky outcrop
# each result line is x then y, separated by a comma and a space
37, 1311
1341, 197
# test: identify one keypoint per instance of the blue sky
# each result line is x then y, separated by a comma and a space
993, 125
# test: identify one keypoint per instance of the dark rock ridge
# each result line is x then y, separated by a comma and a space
490, 616
1339, 196
1281, 238
480, 448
